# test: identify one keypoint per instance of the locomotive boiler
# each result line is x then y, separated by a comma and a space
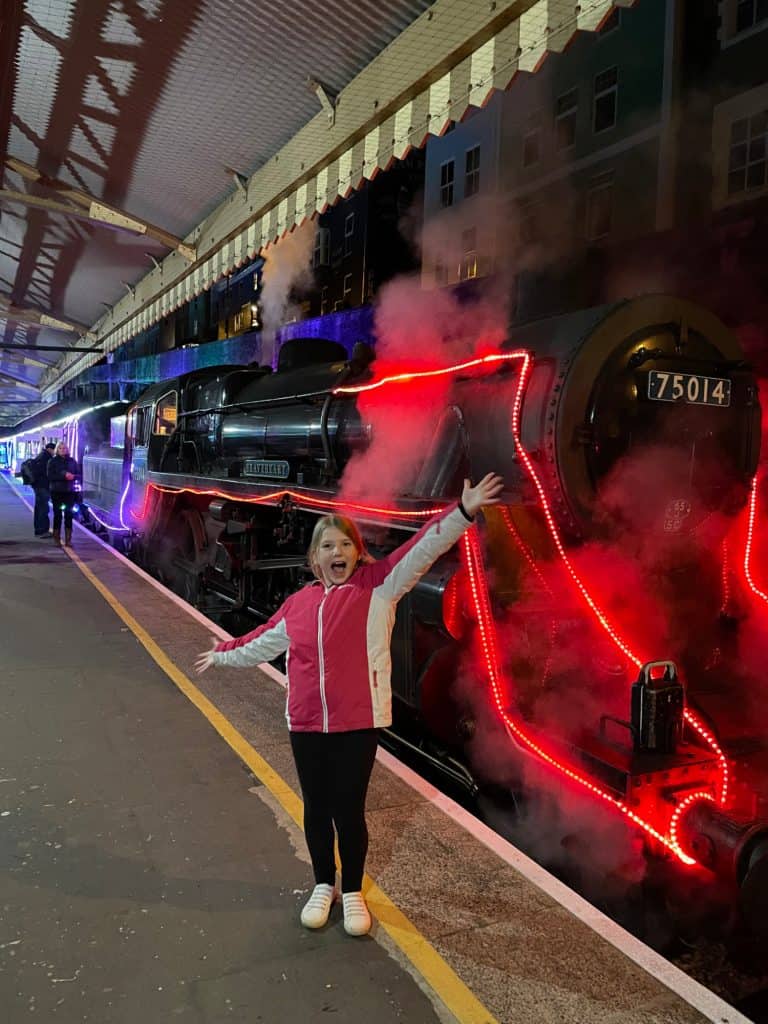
587, 631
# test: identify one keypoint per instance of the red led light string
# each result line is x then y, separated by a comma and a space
725, 576
525, 551
690, 717
304, 499
550, 520
674, 823
145, 505
401, 378
710, 740
479, 590
453, 611
751, 516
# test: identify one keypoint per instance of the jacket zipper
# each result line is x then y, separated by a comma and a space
321, 662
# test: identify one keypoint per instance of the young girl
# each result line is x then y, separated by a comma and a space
338, 630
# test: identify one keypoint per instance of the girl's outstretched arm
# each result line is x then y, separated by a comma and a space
400, 570
263, 644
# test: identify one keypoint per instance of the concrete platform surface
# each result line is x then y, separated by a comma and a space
147, 874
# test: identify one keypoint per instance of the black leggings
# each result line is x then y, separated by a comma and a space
334, 771
62, 501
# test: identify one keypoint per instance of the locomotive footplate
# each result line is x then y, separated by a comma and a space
644, 777
236, 488
284, 562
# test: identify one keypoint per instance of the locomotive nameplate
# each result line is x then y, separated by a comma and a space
688, 387
278, 469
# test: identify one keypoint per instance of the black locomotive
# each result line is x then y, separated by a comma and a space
583, 632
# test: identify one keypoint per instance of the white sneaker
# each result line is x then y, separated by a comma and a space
318, 906
357, 920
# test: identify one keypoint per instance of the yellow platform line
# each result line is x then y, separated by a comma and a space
456, 996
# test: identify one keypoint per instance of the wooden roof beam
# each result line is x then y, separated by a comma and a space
88, 208
19, 382
10, 311
24, 358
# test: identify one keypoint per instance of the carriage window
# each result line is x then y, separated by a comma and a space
137, 425
165, 417
117, 432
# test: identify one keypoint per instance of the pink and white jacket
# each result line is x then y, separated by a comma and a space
338, 638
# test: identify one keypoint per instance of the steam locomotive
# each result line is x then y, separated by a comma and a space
589, 632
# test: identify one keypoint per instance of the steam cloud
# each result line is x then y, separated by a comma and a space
287, 269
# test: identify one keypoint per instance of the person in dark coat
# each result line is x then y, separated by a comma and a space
62, 472
39, 468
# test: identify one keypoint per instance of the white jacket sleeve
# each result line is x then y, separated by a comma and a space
409, 562
265, 647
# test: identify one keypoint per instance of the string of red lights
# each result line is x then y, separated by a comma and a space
751, 516
308, 500
478, 584
725, 576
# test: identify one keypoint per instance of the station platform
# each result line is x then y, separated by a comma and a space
152, 865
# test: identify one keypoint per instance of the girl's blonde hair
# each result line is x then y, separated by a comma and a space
348, 527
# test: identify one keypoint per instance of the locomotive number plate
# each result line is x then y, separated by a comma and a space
688, 387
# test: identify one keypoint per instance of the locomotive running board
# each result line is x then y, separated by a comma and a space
236, 489
448, 766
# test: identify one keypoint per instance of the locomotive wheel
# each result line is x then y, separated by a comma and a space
177, 562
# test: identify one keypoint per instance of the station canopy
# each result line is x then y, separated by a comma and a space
151, 146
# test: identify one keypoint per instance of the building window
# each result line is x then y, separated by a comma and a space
750, 13
347, 291
321, 257
747, 159
468, 266
446, 183
600, 207
472, 172
566, 109
324, 300
528, 214
532, 142
605, 100
349, 232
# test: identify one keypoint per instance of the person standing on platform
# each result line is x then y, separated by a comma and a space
62, 472
338, 630
39, 467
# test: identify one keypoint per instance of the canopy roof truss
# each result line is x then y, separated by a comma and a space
445, 57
